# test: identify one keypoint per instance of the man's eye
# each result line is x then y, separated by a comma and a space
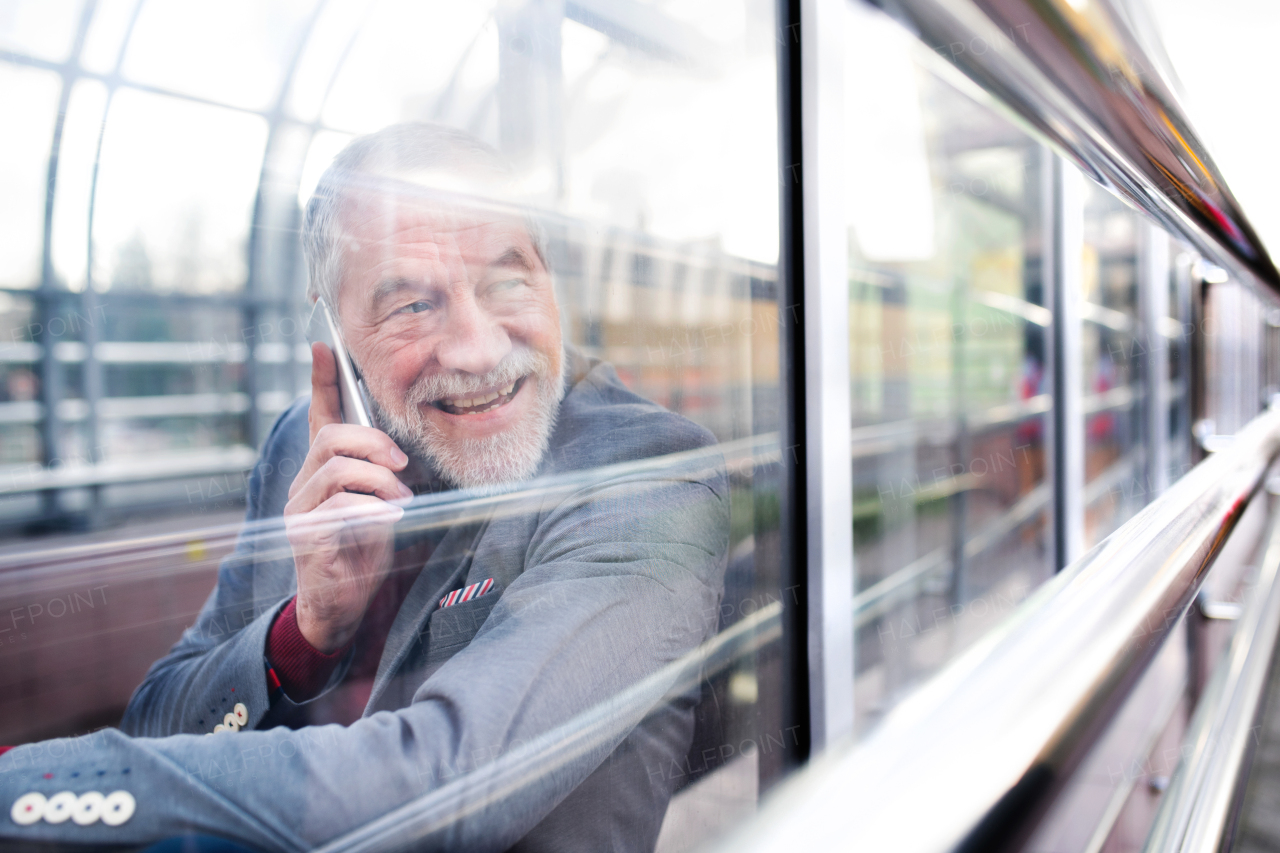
415, 308
507, 285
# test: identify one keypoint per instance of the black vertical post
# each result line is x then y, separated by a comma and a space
791, 381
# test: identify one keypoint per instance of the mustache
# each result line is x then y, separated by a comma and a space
520, 363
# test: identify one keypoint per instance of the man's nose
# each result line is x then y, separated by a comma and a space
473, 341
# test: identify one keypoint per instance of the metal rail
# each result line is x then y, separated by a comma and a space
985, 746
1199, 808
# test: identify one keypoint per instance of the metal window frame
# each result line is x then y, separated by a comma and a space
828, 460
1065, 203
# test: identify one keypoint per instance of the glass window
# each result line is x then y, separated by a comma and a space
39, 28
1177, 331
105, 38
29, 102
1111, 346
77, 157
20, 408
556, 274
949, 332
1234, 317
236, 52
413, 60
175, 195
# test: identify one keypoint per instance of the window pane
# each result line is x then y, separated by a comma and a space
949, 331
590, 579
1177, 333
106, 34
175, 195
40, 28
76, 156
338, 25
29, 102
1111, 345
19, 389
1234, 316
234, 52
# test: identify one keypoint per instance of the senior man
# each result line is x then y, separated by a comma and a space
346, 665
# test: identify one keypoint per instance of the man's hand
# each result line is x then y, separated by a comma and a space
338, 520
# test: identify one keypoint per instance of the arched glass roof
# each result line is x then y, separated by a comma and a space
161, 152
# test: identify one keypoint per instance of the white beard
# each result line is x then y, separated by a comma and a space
482, 464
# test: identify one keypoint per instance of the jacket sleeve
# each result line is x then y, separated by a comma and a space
217, 665
623, 578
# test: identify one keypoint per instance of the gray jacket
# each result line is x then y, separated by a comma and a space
595, 588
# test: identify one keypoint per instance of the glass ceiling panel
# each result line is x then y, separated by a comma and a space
175, 194
70, 238
235, 52
620, 166
28, 102
325, 145
106, 33
626, 168
403, 61
41, 28
337, 25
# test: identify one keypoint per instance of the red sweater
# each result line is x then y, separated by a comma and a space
303, 670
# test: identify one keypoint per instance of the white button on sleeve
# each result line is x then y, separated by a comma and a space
219, 728
242, 714
231, 722
88, 808
117, 808
59, 807
28, 809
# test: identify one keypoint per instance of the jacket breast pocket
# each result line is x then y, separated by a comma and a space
450, 629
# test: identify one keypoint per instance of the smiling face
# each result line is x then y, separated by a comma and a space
451, 317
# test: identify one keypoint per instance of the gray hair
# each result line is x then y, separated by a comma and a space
370, 162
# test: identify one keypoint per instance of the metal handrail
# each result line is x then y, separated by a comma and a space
166, 466
973, 760
1199, 808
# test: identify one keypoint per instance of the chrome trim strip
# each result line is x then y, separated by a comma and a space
1153, 305
829, 473
1068, 361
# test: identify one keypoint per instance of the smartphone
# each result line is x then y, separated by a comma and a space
352, 393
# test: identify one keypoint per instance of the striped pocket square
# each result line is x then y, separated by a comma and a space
467, 593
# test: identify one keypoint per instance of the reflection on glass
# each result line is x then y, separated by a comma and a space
106, 35
1112, 348
19, 385
236, 52
948, 344
603, 157
77, 156
1234, 317
1177, 331
29, 101
39, 28
629, 646
175, 192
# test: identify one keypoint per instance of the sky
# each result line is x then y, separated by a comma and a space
1226, 54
